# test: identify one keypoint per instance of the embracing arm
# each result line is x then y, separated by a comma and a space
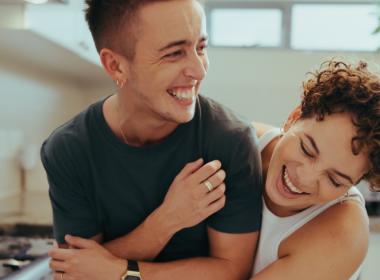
331, 246
231, 257
145, 242
187, 203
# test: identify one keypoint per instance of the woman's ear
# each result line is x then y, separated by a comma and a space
293, 117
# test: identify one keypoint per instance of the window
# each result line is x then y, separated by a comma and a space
298, 26
246, 27
334, 27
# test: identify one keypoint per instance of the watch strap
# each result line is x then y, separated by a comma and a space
133, 271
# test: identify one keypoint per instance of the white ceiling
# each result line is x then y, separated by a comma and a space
23, 2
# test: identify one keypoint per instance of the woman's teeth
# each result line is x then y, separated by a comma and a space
182, 94
289, 183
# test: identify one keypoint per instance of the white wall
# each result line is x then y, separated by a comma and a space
32, 103
264, 85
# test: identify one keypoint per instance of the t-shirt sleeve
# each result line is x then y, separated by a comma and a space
242, 212
73, 212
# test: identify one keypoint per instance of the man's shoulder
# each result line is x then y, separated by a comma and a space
220, 121
72, 134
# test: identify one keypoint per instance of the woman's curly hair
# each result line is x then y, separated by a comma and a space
341, 87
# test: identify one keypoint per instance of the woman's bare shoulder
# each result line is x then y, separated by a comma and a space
340, 229
261, 128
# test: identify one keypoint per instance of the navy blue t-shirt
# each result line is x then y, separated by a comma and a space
98, 184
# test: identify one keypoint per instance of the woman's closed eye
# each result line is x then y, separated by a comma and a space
333, 181
305, 150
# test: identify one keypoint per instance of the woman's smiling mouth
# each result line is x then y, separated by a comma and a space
286, 186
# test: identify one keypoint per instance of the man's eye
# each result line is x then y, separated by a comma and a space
305, 151
202, 48
174, 54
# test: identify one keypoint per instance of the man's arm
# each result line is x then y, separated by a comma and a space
187, 203
231, 257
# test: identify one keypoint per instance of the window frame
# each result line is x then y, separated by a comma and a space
286, 30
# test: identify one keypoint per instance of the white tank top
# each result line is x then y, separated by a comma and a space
275, 229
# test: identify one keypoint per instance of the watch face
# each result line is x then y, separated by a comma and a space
129, 277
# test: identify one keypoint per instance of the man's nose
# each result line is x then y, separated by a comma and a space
196, 67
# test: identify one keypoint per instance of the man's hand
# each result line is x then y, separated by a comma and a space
189, 201
88, 261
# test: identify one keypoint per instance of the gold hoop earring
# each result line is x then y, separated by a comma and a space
120, 84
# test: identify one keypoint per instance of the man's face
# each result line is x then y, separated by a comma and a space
170, 61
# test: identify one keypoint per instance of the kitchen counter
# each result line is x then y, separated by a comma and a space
36, 209
38, 269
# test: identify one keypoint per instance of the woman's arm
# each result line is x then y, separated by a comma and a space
331, 246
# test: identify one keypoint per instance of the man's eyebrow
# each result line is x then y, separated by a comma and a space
343, 175
312, 142
180, 43
174, 44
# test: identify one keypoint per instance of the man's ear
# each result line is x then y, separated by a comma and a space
115, 65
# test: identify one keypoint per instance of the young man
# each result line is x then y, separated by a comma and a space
116, 170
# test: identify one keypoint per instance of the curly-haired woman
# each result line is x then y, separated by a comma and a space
314, 221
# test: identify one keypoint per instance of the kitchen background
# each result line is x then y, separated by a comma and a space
49, 71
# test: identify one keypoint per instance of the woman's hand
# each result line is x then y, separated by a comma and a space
88, 261
189, 200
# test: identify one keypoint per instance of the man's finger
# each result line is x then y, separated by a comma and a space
60, 254
58, 266
58, 276
206, 171
190, 168
79, 243
215, 180
215, 194
216, 206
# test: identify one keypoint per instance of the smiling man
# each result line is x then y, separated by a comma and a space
167, 180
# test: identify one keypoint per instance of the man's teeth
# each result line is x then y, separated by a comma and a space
183, 94
289, 184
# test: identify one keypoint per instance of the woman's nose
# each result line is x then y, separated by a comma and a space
307, 177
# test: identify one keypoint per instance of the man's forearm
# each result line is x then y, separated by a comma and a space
146, 241
196, 268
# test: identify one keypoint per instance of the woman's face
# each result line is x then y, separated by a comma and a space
313, 163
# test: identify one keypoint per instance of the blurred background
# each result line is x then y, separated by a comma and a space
259, 51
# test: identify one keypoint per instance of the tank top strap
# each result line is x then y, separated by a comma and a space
268, 136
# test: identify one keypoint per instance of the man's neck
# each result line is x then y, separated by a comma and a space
133, 129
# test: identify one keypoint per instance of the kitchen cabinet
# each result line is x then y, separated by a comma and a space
63, 24
52, 37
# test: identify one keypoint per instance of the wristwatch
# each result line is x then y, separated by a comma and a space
133, 272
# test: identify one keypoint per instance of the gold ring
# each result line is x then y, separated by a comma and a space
208, 185
62, 276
